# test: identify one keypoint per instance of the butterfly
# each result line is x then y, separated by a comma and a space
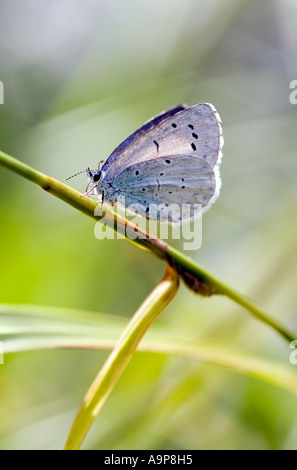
169, 163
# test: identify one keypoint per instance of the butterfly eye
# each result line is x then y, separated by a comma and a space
96, 176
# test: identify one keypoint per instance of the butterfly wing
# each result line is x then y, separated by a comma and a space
192, 131
150, 124
175, 183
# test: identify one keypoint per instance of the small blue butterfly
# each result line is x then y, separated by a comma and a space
172, 160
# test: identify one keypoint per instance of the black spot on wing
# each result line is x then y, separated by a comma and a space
142, 130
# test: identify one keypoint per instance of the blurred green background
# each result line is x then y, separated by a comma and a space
79, 77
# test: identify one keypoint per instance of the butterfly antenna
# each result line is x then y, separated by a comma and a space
69, 178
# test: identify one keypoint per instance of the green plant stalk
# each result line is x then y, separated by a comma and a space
228, 291
184, 265
80, 329
85, 205
120, 356
60, 328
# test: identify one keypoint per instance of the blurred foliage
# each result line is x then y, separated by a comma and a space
78, 78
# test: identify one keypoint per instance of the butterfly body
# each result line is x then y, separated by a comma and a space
172, 160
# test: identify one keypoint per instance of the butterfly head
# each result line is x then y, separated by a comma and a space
94, 176
94, 181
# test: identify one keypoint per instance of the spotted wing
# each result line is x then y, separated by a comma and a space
170, 188
150, 124
194, 131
